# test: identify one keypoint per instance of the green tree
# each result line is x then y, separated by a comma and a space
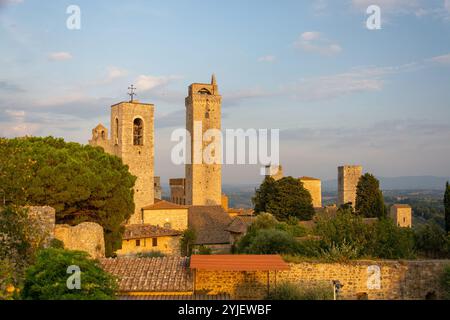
82, 183
271, 241
447, 207
47, 278
369, 198
187, 242
431, 241
284, 199
445, 281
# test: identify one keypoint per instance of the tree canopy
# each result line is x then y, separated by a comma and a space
284, 198
369, 198
447, 207
47, 279
82, 183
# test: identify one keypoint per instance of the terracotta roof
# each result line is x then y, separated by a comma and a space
241, 211
163, 204
210, 224
230, 262
240, 224
309, 178
221, 296
400, 205
167, 274
139, 231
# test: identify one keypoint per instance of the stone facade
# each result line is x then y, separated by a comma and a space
132, 140
178, 191
348, 178
171, 218
396, 280
43, 219
314, 186
203, 181
158, 189
168, 245
86, 236
402, 215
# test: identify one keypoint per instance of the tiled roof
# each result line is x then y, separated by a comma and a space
236, 262
222, 296
167, 274
163, 204
139, 231
240, 211
210, 224
240, 224
309, 178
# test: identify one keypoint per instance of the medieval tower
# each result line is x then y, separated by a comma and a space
203, 112
131, 138
348, 178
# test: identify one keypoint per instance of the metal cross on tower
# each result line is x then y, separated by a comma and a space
131, 93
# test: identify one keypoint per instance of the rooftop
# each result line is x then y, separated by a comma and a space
139, 231
167, 274
210, 224
400, 205
309, 178
240, 224
238, 262
164, 205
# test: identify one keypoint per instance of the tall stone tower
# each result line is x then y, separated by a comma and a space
348, 178
132, 140
203, 112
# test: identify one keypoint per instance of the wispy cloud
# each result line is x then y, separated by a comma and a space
59, 56
316, 42
443, 59
268, 58
149, 82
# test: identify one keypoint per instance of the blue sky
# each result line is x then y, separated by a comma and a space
339, 93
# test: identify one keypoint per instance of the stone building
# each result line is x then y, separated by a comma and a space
314, 186
132, 140
203, 113
158, 189
178, 191
402, 215
166, 215
145, 238
348, 178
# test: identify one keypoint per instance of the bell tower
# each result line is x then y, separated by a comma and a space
132, 140
203, 112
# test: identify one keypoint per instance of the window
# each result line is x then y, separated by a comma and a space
116, 132
103, 134
138, 132
154, 242
138, 243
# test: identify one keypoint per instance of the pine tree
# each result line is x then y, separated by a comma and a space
447, 207
369, 198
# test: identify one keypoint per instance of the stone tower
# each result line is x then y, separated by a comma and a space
348, 178
203, 112
132, 140
314, 186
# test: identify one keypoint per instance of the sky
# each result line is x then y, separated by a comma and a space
338, 92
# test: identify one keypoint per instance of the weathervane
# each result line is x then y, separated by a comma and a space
131, 93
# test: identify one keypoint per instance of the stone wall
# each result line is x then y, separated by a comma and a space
396, 280
314, 186
169, 245
177, 218
86, 236
43, 221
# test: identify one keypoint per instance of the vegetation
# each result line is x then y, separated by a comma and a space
445, 281
151, 254
47, 278
447, 207
82, 183
291, 291
369, 198
187, 242
284, 199
431, 241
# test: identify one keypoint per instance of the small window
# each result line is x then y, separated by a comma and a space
138, 132
154, 242
138, 243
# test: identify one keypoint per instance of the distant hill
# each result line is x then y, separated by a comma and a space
400, 183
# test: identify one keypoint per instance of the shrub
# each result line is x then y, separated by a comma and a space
204, 250
271, 241
291, 291
445, 281
342, 252
431, 241
187, 242
47, 278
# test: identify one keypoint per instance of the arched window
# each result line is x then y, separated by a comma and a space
138, 132
103, 134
